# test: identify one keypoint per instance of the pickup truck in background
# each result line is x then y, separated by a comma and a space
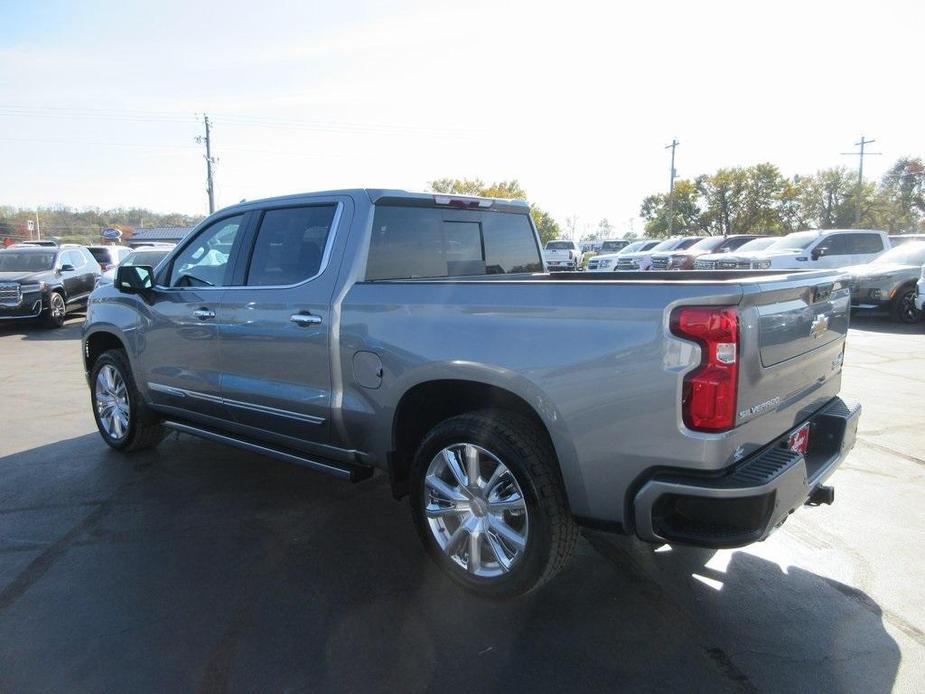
418, 335
563, 255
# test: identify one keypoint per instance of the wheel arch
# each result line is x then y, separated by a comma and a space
426, 403
98, 342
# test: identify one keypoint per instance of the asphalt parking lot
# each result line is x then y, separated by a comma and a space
199, 567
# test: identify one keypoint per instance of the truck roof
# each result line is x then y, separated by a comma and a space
392, 195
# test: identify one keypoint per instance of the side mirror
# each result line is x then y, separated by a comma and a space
67, 267
133, 279
818, 252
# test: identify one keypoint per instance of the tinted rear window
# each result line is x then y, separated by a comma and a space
429, 242
290, 245
865, 243
102, 255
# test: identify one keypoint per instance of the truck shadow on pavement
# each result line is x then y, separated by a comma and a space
195, 566
884, 324
33, 330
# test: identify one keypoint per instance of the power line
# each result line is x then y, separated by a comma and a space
232, 119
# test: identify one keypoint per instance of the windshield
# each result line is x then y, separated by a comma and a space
794, 242
560, 246
612, 245
634, 246
711, 243
151, 258
13, 261
675, 244
756, 245
911, 253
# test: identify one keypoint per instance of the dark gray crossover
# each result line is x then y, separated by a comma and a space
420, 335
45, 282
887, 283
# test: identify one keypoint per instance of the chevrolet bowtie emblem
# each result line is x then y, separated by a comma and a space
819, 325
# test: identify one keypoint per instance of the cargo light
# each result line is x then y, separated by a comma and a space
461, 202
708, 402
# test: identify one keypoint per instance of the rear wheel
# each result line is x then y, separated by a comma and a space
124, 420
904, 309
56, 312
489, 503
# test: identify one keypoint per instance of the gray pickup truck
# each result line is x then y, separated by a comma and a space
419, 335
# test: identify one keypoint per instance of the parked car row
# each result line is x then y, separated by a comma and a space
883, 270
42, 280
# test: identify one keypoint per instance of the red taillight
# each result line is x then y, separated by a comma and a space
709, 401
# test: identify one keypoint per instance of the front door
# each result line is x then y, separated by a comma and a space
275, 333
179, 357
73, 278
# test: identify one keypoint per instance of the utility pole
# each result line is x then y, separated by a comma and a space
210, 161
673, 146
38, 229
860, 154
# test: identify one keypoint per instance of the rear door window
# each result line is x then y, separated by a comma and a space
864, 244
410, 242
290, 245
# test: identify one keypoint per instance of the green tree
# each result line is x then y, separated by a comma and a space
687, 211
546, 226
900, 199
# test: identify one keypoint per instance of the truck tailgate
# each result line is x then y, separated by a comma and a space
799, 324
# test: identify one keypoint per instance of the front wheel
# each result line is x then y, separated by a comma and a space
122, 417
904, 309
489, 503
56, 312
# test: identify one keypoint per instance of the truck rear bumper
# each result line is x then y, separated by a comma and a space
752, 498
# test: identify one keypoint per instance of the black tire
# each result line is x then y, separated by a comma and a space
144, 429
56, 313
903, 309
524, 449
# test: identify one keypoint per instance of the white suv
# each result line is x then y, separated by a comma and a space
823, 248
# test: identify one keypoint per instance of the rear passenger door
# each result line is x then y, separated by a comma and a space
276, 328
864, 247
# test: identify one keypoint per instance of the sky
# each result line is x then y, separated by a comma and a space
101, 102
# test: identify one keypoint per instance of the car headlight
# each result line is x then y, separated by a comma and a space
605, 263
761, 264
31, 288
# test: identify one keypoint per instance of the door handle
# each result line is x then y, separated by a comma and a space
204, 314
305, 319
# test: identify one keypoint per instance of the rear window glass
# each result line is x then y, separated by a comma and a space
412, 242
560, 246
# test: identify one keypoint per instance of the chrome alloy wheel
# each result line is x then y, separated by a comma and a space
112, 406
56, 306
476, 510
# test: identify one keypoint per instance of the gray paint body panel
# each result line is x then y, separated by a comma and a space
593, 356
